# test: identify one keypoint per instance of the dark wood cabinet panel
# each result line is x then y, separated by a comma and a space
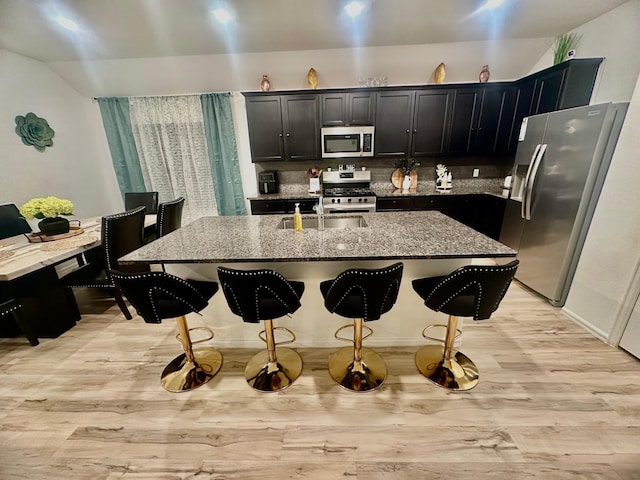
495, 120
524, 97
430, 121
389, 204
307, 205
547, 92
262, 207
463, 120
265, 128
393, 123
344, 109
283, 127
301, 127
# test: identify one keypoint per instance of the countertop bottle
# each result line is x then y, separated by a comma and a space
320, 213
297, 219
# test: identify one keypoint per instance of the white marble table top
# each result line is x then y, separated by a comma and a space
28, 257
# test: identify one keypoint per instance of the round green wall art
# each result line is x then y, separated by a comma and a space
34, 131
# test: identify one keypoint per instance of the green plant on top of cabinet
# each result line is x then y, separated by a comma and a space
283, 127
347, 108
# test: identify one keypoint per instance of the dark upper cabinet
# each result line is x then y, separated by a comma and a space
393, 123
430, 121
565, 85
283, 127
344, 109
481, 119
264, 119
464, 117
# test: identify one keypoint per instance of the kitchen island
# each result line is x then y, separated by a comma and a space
428, 243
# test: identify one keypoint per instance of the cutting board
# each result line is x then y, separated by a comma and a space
397, 177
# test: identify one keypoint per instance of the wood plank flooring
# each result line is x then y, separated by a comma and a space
553, 402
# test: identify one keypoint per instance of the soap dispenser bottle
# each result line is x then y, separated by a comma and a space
297, 219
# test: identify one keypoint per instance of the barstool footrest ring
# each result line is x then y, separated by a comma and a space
350, 340
195, 342
435, 339
263, 336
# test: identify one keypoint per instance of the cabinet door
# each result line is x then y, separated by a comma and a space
524, 97
579, 82
301, 127
264, 120
390, 204
333, 109
546, 95
393, 123
264, 207
430, 122
495, 120
344, 109
464, 119
307, 205
361, 108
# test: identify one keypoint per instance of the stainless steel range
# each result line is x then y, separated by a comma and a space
348, 191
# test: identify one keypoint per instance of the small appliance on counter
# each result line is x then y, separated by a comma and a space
268, 182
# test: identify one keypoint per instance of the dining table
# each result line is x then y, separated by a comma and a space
30, 273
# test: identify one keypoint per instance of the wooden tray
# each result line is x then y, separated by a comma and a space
37, 237
397, 177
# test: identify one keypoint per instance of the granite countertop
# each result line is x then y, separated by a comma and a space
393, 235
386, 189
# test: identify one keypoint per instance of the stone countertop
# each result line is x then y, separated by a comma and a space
389, 236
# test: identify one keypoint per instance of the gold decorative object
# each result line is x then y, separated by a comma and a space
439, 73
312, 78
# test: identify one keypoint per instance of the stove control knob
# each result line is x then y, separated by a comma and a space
337, 200
349, 200
365, 200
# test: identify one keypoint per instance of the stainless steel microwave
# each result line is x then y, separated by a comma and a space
347, 142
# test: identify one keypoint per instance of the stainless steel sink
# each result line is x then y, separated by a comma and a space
330, 221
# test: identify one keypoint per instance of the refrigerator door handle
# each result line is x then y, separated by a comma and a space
532, 181
526, 181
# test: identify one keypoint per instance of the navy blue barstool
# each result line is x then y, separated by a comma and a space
471, 291
160, 295
261, 296
363, 295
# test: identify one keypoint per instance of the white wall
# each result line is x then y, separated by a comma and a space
615, 36
406, 65
77, 166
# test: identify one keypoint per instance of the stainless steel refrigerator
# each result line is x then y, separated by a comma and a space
560, 166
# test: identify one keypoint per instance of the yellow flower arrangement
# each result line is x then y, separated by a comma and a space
49, 207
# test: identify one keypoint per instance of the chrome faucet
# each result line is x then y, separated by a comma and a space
320, 212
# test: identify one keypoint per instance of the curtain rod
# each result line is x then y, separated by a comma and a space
150, 96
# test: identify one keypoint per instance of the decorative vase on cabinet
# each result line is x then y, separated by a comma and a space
484, 74
265, 85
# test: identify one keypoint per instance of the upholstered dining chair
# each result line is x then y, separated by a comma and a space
169, 217
11, 222
159, 295
121, 234
142, 199
471, 291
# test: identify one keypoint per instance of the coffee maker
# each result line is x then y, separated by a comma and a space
268, 182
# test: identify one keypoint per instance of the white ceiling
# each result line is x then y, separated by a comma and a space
112, 29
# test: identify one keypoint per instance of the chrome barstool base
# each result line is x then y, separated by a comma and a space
268, 377
182, 376
369, 377
458, 374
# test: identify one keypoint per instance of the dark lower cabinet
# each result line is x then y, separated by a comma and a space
482, 212
283, 206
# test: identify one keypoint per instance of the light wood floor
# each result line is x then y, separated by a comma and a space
553, 402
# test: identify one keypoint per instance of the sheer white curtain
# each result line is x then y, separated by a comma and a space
171, 144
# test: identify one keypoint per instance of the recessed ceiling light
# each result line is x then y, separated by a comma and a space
222, 15
354, 8
67, 23
492, 4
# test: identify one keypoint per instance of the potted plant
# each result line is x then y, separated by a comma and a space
564, 43
48, 210
405, 169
